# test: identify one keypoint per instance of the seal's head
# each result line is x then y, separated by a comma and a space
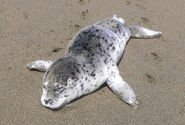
60, 83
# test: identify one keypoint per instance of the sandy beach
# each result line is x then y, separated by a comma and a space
41, 29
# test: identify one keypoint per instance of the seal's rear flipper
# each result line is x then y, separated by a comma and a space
121, 89
39, 65
141, 32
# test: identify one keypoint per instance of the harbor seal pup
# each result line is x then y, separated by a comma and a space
91, 60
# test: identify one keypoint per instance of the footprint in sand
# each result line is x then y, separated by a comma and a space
84, 13
150, 78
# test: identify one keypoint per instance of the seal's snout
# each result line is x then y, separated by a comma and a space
48, 101
52, 103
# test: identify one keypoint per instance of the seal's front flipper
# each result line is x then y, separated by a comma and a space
141, 32
121, 89
39, 65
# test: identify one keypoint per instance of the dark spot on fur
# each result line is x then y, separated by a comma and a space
111, 44
98, 37
73, 73
98, 45
66, 95
93, 65
93, 73
90, 36
82, 86
105, 61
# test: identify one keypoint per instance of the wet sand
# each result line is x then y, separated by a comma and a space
42, 29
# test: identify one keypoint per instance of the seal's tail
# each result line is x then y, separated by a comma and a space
141, 32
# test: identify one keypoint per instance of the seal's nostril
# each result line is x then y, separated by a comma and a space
48, 101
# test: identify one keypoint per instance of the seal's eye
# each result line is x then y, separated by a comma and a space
56, 90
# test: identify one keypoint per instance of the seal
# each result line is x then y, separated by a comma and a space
91, 60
